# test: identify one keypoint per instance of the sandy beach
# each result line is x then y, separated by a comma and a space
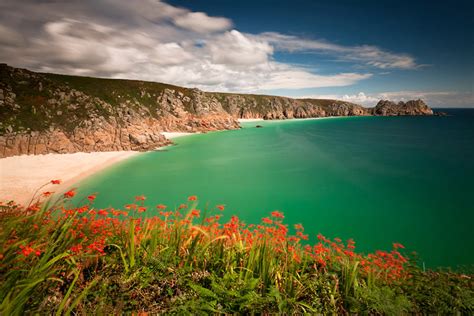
249, 120
171, 135
21, 176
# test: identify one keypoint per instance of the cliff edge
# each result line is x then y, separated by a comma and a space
50, 113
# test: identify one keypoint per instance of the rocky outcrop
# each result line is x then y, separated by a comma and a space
272, 107
41, 114
412, 107
48, 113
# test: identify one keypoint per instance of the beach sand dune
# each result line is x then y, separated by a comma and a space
21, 176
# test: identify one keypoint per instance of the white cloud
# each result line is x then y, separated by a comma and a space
284, 77
152, 40
202, 23
432, 98
367, 54
234, 48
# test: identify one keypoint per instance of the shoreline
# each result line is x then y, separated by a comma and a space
21, 176
241, 120
297, 119
172, 135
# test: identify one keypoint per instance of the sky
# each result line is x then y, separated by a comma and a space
358, 51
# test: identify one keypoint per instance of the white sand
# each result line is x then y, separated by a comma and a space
292, 119
21, 176
171, 135
249, 120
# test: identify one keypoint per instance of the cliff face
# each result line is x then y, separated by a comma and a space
44, 113
49, 113
271, 107
412, 107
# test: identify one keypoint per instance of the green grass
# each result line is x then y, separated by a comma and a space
64, 259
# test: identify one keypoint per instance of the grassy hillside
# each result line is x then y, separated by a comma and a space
116, 91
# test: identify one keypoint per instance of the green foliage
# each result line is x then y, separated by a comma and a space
177, 266
441, 292
378, 300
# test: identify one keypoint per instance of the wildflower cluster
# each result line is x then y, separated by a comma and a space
46, 242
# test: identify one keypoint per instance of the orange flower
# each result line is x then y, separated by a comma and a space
299, 227
140, 198
277, 214
161, 206
56, 181
70, 194
27, 250
192, 198
220, 207
76, 249
266, 220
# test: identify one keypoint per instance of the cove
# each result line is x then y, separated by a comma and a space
377, 180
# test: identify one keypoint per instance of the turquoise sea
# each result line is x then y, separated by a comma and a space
377, 180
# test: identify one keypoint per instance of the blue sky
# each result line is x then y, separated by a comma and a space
438, 35
359, 51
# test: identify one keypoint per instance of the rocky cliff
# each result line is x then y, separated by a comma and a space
412, 107
50, 113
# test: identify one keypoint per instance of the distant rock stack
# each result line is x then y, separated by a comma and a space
412, 107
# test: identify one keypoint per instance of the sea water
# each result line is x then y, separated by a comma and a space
377, 180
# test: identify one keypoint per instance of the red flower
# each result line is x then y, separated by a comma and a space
27, 250
91, 197
56, 181
299, 227
195, 213
70, 194
47, 193
277, 214
76, 249
302, 236
140, 198
397, 245
192, 198
220, 207
161, 206
141, 209
266, 220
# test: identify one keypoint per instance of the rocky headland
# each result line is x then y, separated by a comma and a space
50, 113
